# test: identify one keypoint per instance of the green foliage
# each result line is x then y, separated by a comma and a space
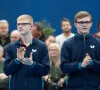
47, 29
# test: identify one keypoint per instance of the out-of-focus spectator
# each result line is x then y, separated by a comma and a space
55, 80
66, 27
4, 35
14, 36
98, 33
50, 39
37, 31
3, 77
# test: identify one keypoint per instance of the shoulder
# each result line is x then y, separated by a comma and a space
40, 43
97, 40
69, 42
72, 34
59, 36
12, 46
13, 43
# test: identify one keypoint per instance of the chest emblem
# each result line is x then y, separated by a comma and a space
34, 50
92, 46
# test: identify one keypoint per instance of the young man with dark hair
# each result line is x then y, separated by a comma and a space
37, 31
66, 28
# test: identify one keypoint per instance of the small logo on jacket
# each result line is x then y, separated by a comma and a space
92, 46
34, 50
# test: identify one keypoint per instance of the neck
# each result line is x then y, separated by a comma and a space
27, 39
3, 36
54, 59
67, 34
0, 59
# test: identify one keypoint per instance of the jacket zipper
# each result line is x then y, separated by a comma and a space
85, 69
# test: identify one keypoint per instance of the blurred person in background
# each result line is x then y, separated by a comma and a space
3, 78
97, 34
14, 36
66, 27
55, 80
37, 31
50, 39
4, 35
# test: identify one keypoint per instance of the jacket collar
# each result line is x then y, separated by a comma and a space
82, 36
20, 42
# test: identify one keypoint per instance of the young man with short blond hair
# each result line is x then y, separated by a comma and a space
27, 59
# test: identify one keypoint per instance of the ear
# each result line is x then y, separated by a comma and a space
32, 25
17, 26
70, 27
75, 24
91, 24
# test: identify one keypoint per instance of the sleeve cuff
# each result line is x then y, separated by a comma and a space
33, 64
16, 61
91, 63
79, 66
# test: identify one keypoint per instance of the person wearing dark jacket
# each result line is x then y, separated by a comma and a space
4, 32
80, 56
3, 78
27, 59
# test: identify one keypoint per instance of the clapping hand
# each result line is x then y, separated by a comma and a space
20, 53
3, 76
27, 61
61, 82
86, 60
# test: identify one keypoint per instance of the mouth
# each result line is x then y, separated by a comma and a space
84, 28
20, 29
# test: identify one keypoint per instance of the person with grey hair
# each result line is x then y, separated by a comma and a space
4, 35
14, 36
3, 77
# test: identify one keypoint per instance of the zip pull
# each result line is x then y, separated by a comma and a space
84, 37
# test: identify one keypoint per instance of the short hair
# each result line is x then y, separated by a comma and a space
38, 25
81, 15
65, 20
49, 36
25, 16
14, 31
4, 21
1, 48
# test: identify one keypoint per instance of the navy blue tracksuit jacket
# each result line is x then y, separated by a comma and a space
72, 54
24, 77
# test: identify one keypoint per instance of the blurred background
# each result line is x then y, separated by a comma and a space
50, 11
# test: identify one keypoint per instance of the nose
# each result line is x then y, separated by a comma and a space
84, 25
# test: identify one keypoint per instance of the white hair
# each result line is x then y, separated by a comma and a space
4, 21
